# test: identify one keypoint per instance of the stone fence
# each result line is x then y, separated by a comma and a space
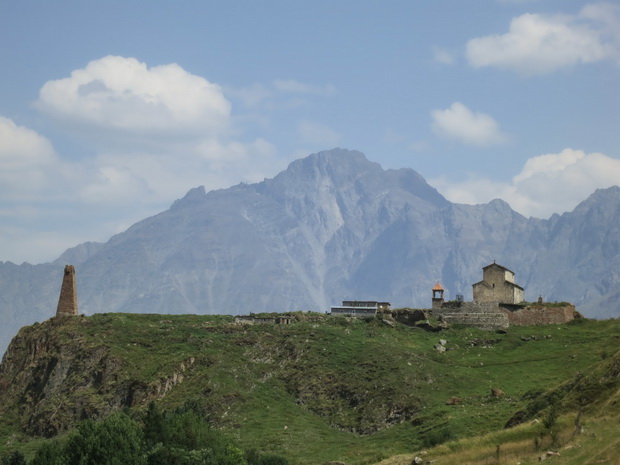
541, 315
492, 315
484, 315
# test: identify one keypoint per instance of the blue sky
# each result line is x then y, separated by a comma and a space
111, 110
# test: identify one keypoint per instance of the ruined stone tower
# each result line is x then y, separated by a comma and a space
67, 302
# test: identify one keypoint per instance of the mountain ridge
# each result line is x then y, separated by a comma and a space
333, 226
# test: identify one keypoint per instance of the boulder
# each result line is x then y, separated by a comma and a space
440, 348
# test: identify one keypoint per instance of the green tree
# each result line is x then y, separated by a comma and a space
14, 458
50, 453
155, 426
115, 441
189, 431
231, 455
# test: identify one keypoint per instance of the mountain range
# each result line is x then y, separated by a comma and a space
333, 226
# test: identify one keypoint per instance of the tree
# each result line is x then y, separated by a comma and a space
50, 453
155, 426
115, 441
189, 431
14, 458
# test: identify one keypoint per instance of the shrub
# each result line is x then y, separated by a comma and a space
254, 457
14, 458
438, 436
50, 453
115, 441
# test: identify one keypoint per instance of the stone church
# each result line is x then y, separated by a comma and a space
497, 285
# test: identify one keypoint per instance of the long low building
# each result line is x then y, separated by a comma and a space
359, 308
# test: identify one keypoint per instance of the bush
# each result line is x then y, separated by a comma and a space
438, 436
181, 437
50, 453
115, 441
254, 457
14, 458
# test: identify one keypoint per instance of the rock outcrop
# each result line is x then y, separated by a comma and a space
56, 379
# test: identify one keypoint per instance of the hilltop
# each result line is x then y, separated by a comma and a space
319, 389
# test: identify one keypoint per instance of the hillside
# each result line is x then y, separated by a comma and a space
319, 389
333, 226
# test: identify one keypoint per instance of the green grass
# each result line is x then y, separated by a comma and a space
317, 390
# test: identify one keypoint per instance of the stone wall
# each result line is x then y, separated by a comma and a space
497, 292
492, 315
541, 315
484, 315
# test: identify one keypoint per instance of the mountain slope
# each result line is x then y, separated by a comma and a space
332, 226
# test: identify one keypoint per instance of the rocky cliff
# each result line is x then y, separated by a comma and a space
52, 376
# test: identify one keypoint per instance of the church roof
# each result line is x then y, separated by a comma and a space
496, 265
437, 287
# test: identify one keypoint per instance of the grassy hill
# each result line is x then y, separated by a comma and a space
320, 389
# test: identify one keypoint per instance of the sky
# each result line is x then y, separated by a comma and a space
111, 110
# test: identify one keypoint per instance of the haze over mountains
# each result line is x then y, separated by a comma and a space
333, 226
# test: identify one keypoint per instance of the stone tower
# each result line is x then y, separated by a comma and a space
67, 302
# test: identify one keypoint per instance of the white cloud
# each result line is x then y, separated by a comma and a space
27, 244
317, 134
148, 109
22, 147
443, 56
547, 184
26, 159
460, 123
278, 94
539, 44
251, 96
163, 177
50, 204
152, 134
124, 94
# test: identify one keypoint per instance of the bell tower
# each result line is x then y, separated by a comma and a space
437, 296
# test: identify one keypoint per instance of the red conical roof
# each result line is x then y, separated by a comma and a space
437, 287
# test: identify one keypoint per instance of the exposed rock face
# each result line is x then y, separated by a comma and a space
56, 380
333, 226
410, 317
